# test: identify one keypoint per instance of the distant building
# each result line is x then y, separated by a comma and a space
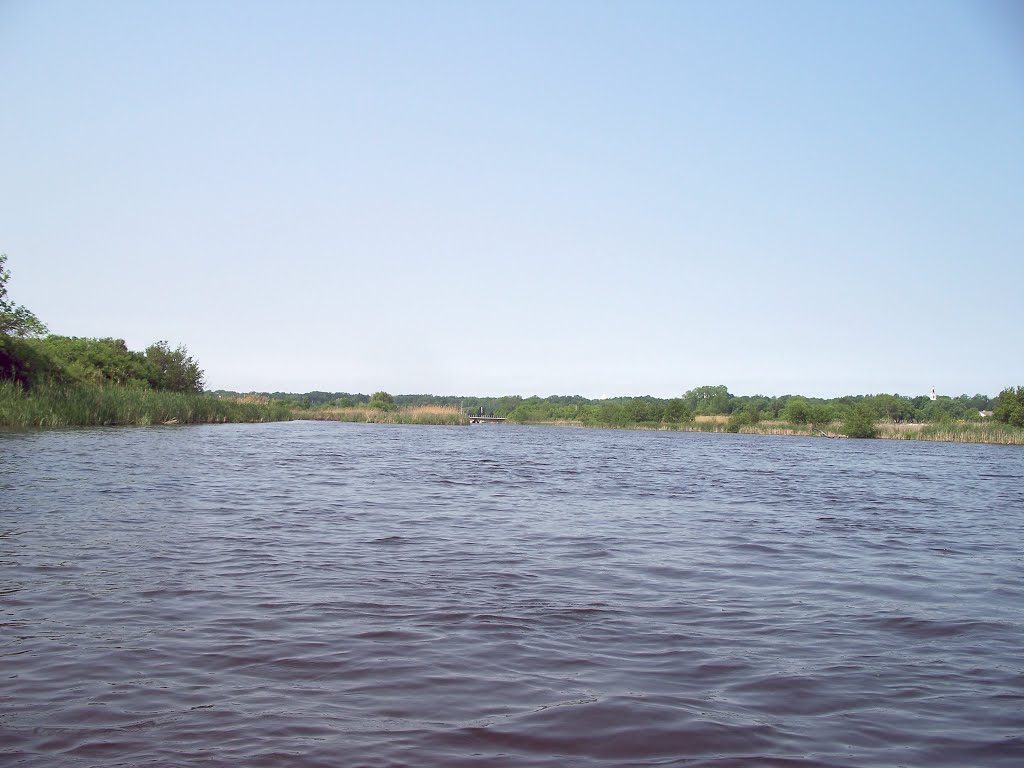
933, 395
985, 414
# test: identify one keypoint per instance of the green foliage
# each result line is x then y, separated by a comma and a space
15, 320
615, 412
173, 369
796, 411
68, 359
820, 415
75, 360
1010, 407
25, 361
708, 401
382, 401
745, 417
859, 421
94, 361
892, 407
677, 412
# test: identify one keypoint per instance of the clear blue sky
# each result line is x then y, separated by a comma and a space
530, 197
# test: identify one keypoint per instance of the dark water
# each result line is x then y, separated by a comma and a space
356, 595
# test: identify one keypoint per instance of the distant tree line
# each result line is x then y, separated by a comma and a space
716, 400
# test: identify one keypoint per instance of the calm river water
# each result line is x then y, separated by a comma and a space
323, 594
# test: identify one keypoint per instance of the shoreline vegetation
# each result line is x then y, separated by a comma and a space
968, 419
49, 404
56, 405
949, 431
67, 381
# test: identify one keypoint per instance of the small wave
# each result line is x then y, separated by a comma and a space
930, 628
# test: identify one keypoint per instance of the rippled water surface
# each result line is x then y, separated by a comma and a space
365, 595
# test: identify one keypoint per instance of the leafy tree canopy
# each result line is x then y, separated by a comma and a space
1010, 407
859, 421
173, 369
94, 361
15, 320
382, 401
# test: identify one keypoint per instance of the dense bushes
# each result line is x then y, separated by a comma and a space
70, 360
24, 361
1010, 407
859, 421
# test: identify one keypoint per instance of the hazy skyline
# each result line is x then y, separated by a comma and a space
528, 198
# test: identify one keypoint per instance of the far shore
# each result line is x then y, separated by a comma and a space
65, 406
952, 431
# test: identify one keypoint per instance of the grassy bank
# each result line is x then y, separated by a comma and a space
949, 431
414, 414
48, 405
956, 432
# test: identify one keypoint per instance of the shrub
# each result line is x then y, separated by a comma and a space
173, 369
382, 401
742, 418
796, 411
859, 421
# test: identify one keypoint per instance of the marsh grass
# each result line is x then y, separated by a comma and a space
953, 431
49, 405
413, 414
973, 432
950, 431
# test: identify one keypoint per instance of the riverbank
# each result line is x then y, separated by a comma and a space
49, 405
74, 406
945, 432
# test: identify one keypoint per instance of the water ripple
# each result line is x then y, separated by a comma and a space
317, 594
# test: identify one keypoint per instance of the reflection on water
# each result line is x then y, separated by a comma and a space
332, 594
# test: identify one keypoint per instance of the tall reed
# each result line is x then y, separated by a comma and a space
414, 414
50, 405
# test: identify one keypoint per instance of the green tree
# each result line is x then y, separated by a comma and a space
818, 415
892, 407
640, 410
796, 411
96, 361
1010, 407
859, 421
507, 404
25, 361
173, 369
382, 401
15, 320
676, 410
708, 401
